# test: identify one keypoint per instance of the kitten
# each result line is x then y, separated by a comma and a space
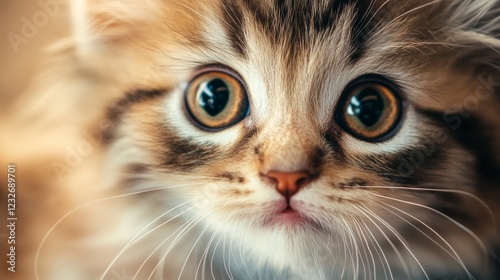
263, 139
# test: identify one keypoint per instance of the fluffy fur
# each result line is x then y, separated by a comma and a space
117, 182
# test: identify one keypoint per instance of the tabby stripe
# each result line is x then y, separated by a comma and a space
290, 20
468, 132
182, 155
119, 108
235, 26
362, 28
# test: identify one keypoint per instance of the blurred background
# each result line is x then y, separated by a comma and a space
28, 27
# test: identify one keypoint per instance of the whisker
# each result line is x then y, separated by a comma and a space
352, 243
204, 258
228, 271
472, 234
181, 228
362, 247
242, 257
212, 258
456, 257
89, 203
367, 12
231, 256
404, 14
398, 236
358, 226
344, 242
373, 239
192, 248
400, 257
465, 193
372, 17
176, 240
331, 254
133, 240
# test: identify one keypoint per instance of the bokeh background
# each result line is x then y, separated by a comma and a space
17, 69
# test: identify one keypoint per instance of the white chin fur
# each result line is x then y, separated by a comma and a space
278, 251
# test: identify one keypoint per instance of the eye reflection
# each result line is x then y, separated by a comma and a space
213, 96
369, 110
368, 107
216, 100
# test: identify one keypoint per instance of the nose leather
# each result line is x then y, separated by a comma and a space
289, 183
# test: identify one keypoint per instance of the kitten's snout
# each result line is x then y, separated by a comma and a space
289, 183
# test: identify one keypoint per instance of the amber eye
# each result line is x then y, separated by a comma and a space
370, 109
216, 100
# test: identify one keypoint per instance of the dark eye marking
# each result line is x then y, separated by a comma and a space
123, 105
176, 153
332, 141
317, 159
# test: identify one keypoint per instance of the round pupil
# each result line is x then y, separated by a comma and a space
367, 106
214, 96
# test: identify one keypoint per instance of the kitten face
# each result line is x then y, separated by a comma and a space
399, 197
398, 202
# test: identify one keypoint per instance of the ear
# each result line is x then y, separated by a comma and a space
478, 34
478, 41
99, 25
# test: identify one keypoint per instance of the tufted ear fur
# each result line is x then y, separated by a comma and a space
478, 35
477, 38
121, 41
101, 24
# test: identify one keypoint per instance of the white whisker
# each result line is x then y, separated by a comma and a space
89, 203
472, 234
204, 258
400, 257
360, 231
471, 195
455, 255
399, 237
212, 258
192, 248
373, 239
180, 228
226, 268
177, 239
133, 240
404, 14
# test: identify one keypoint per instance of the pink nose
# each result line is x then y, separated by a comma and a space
289, 183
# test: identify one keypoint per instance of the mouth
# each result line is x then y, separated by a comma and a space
287, 216
292, 217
